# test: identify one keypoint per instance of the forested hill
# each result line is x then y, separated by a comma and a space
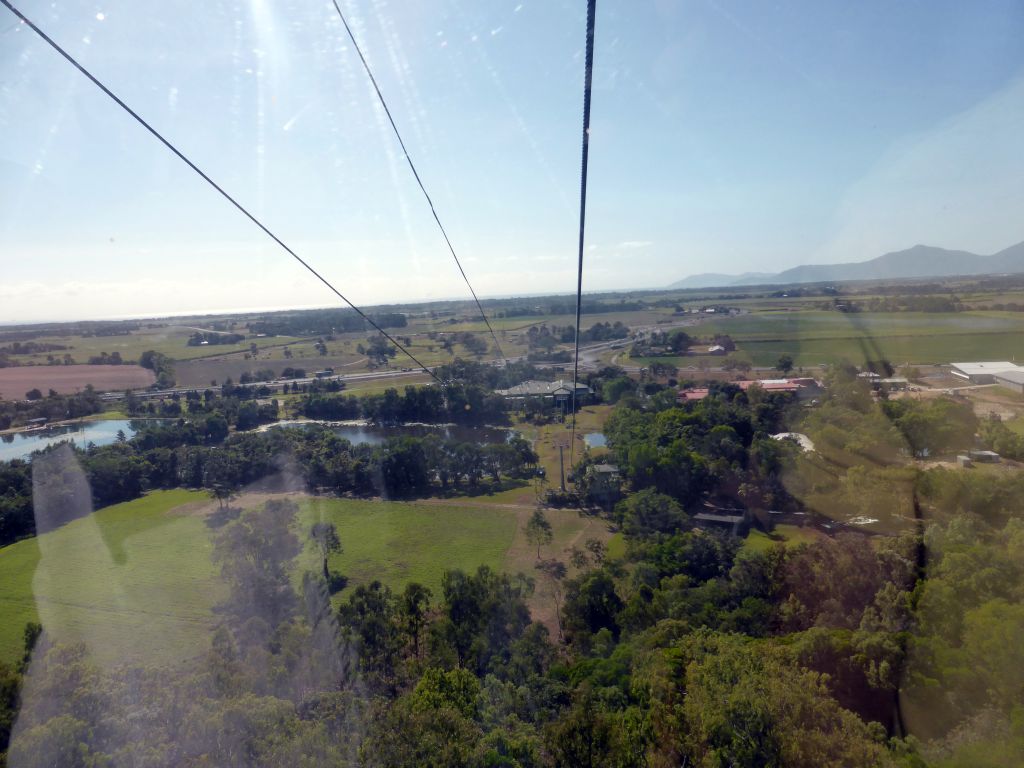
919, 261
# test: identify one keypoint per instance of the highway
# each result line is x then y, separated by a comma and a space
590, 360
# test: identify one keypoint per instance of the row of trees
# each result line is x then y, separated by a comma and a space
201, 453
467, 404
322, 322
52, 407
201, 338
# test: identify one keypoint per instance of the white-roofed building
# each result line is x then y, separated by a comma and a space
982, 373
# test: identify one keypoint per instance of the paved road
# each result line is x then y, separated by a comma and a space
275, 386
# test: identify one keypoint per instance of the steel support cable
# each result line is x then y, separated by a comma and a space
415, 173
213, 184
587, 81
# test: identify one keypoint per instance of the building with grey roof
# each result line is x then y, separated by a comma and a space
1011, 380
558, 391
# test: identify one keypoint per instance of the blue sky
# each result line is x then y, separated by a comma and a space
726, 136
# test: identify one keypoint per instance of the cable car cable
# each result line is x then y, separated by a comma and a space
587, 81
415, 173
213, 184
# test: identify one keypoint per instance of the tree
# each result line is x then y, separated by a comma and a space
538, 530
648, 512
34, 394
555, 571
255, 554
578, 558
587, 736
616, 388
591, 604
327, 541
724, 700
413, 607
598, 550
369, 618
784, 364
679, 341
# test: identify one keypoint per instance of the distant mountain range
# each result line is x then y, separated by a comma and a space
919, 261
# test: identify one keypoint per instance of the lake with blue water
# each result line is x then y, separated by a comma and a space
103, 432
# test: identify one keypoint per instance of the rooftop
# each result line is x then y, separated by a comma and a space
694, 394
708, 517
535, 388
975, 369
771, 385
803, 440
1015, 376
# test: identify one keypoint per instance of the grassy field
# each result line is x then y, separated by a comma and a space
132, 581
790, 535
170, 340
396, 543
135, 581
816, 337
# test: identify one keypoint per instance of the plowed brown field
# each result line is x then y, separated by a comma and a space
15, 382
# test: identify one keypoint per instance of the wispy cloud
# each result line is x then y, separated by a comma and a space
634, 244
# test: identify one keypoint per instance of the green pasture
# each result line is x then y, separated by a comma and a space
132, 581
135, 581
790, 535
813, 337
168, 340
396, 543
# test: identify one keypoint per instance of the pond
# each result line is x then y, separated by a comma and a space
370, 434
595, 440
104, 432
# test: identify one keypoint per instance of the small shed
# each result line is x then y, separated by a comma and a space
893, 384
605, 482
736, 523
984, 457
